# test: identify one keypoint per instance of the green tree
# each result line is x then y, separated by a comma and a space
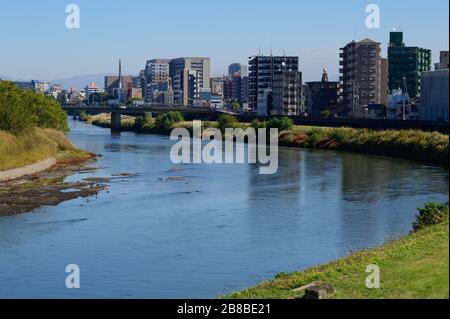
21, 110
235, 106
166, 121
227, 121
283, 124
14, 117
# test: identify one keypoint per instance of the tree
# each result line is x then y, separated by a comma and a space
227, 121
235, 106
21, 110
166, 121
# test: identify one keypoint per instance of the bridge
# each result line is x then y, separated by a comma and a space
117, 111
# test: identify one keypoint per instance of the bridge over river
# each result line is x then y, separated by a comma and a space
200, 113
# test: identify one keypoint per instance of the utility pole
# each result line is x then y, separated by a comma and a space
405, 97
120, 81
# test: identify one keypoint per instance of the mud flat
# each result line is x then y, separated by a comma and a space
47, 188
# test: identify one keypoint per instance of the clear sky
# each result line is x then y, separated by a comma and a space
35, 42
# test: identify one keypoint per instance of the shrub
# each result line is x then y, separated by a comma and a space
283, 124
256, 124
144, 121
227, 121
165, 121
432, 214
315, 135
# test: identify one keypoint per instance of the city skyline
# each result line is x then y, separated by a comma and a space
312, 31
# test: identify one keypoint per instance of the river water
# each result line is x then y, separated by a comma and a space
211, 229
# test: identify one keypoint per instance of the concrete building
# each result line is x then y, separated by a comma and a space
217, 85
443, 61
91, 88
189, 75
322, 96
363, 78
112, 85
157, 70
157, 83
434, 100
275, 85
235, 68
236, 90
406, 64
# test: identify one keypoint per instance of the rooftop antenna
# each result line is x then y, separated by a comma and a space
259, 50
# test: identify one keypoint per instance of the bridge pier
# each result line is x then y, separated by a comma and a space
115, 122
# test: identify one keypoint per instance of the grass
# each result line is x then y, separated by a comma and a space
414, 267
428, 147
35, 145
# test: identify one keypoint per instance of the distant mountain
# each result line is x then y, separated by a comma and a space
79, 82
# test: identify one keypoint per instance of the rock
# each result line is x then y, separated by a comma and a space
320, 291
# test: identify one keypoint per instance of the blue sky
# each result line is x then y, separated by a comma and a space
36, 44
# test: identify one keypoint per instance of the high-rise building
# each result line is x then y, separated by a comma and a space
406, 65
443, 61
275, 85
322, 96
157, 77
235, 68
236, 90
157, 70
434, 100
362, 76
189, 75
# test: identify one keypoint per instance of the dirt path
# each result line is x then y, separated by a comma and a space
27, 170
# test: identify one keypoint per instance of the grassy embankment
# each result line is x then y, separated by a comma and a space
35, 145
414, 267
32, 128
427, 147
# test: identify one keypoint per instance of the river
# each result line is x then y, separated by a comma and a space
201, 231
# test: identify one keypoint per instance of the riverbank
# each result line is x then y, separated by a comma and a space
33, 166
415, 266
426, 147
37, 145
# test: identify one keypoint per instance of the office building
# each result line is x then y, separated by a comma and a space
237, 68
274, 85
189, 75
406, 65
